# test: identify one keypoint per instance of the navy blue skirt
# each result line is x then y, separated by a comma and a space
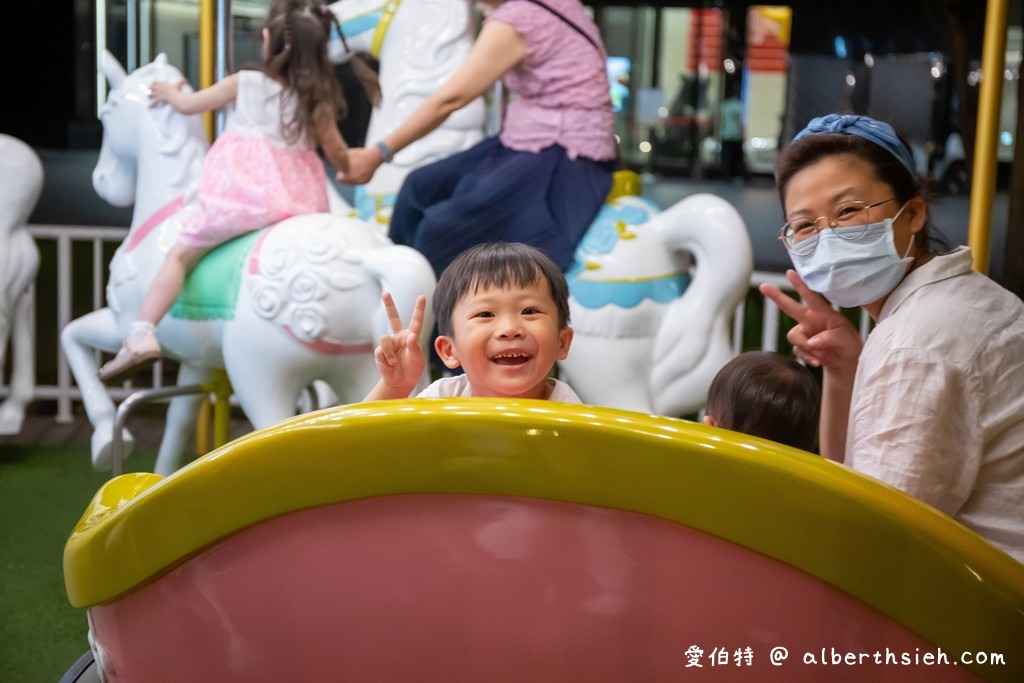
490, 193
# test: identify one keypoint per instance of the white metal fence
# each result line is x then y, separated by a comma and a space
66, 243
63, 239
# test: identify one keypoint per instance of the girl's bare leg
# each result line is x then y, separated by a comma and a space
141, 348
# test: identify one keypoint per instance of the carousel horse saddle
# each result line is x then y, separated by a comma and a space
211, 289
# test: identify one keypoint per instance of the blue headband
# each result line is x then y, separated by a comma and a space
872, 130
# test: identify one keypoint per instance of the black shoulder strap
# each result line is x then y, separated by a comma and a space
569, 21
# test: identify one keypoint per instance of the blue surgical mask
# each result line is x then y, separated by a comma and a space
856, 272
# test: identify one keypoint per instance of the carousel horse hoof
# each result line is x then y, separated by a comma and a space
102, 446
138, 352
11, 418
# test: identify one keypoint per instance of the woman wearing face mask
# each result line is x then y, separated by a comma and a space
933, 402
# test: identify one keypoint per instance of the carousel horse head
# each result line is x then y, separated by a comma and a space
136, 133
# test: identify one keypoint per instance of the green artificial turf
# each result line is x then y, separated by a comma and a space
43, 492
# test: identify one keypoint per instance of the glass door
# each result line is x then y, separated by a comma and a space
136, 31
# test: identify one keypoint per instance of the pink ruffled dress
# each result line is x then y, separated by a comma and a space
252, 177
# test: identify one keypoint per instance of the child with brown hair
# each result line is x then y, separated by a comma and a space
766, 394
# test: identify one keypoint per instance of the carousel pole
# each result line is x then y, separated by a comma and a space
207, 44
979, 235
224, 49
100, 37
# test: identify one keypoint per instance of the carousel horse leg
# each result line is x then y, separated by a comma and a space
12, 410
8, 422
96, 330
182, 412
286, 369
320, 395
350, 383
23, 264
269, 395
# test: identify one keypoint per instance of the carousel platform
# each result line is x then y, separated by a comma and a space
40, 430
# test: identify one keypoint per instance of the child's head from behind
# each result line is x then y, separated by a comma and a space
295, 54
766, 394
304, 24
503, 316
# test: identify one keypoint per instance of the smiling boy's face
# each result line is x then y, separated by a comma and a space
506, 340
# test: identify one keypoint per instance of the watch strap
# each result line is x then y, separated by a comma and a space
386, 155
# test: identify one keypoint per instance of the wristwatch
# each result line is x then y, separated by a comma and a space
386, 155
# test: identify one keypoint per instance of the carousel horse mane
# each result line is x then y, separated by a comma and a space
177, 135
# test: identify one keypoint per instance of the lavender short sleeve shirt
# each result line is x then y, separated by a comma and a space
561, 92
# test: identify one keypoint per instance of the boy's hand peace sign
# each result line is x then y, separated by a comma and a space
399, 355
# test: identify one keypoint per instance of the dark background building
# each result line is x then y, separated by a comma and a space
49, 83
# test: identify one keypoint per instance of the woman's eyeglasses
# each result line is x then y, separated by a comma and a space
848, 220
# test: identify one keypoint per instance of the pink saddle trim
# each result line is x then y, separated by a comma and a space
331, 348
254, 255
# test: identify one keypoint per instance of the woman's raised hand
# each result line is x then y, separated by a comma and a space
822, 336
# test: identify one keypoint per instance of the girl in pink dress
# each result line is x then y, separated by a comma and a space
262, 169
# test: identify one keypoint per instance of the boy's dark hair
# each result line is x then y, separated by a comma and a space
497, 264
766, 394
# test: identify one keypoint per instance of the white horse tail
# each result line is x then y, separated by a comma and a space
406, 274
693, 341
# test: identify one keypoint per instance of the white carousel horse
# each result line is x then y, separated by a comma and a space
627, 288
277, 309
419, 43
21, 182
656, 327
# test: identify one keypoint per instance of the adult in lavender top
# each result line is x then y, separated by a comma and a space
543, 179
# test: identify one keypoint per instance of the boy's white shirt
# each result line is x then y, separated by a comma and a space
458, 386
